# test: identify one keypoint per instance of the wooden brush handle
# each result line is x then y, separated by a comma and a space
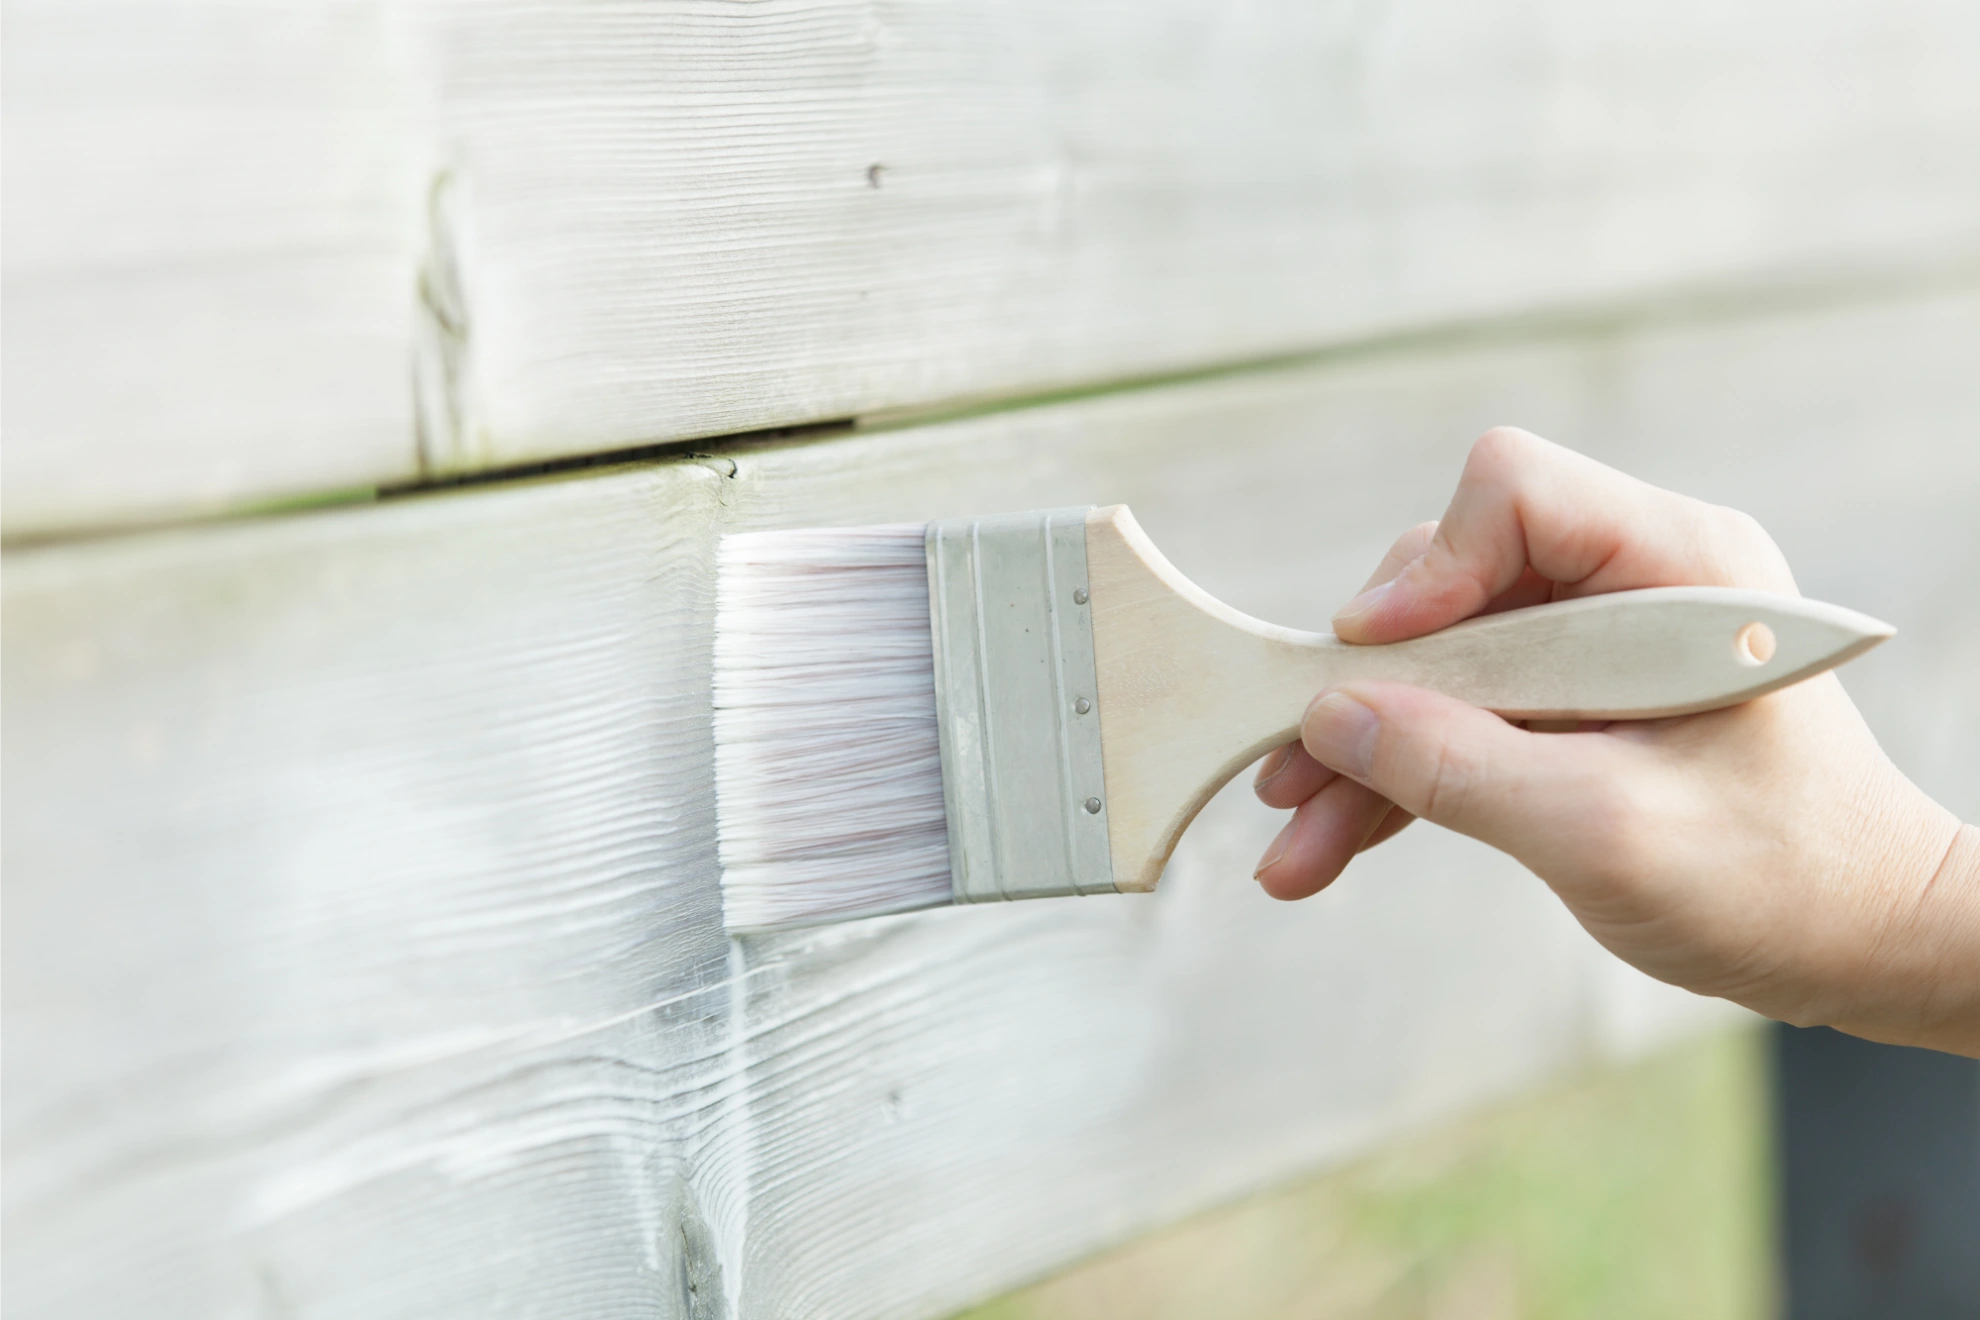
1190, 691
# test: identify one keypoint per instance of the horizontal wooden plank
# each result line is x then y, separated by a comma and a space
211, 263
238, 236
362, 952
676, 228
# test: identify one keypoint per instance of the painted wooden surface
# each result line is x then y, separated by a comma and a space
362, 953
211, 216
258, 252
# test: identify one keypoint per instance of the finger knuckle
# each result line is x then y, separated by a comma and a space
1447, 784
1747, 553
1499, 452
1742, 529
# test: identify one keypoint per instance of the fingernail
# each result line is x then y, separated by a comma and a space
1365, 603
1272, 767
1340, 733
1275, 852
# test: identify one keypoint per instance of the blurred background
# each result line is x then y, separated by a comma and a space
1764, 1171
1638, 1192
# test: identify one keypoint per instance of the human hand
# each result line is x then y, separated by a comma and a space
1768, 853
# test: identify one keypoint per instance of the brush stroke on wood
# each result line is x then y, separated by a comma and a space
363, 951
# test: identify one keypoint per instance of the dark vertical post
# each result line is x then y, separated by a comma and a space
1879, 1159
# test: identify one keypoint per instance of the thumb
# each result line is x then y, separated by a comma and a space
1464, 768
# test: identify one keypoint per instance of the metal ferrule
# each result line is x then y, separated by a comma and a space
1016, 705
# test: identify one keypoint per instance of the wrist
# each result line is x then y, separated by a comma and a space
1921, 983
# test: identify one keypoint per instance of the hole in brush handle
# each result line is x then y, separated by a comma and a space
1754, 646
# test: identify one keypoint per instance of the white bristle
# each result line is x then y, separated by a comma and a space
828, 772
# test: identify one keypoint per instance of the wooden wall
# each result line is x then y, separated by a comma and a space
263, 252
363, 953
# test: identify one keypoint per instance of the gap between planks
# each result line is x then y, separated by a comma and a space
1775, 294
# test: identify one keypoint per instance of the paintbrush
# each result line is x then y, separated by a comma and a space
1034, 705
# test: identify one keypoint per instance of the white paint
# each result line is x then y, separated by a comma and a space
238, 234
675, 232
363, 949
212, 214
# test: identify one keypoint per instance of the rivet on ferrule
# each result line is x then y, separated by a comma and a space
1015, 706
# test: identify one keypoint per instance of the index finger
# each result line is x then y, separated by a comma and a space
1524, 504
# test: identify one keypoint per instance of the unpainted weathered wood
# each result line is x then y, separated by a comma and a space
255, 252
363, 950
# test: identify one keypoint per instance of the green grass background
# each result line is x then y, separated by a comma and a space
1638, 1193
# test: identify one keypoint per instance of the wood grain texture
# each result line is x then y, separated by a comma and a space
363, 949
680, 221
212, 212
1191, 691
260, 252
